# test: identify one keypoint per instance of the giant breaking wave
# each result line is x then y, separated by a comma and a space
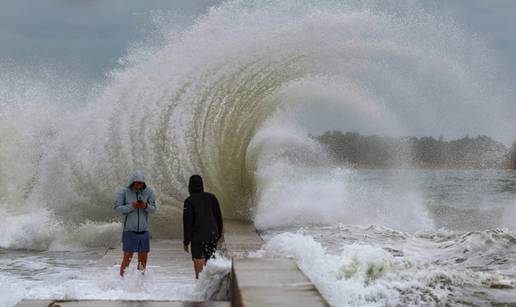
229, 98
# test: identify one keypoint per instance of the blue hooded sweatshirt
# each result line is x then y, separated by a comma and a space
135, 219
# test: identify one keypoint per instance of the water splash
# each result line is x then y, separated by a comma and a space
223, 96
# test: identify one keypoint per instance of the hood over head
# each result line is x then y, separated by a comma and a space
195, 184
137, 177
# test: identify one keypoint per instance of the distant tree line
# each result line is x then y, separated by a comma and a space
512, 157
426, 152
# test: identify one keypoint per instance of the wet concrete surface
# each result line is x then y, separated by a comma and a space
255, 281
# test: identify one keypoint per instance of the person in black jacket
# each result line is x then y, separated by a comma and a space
202, 223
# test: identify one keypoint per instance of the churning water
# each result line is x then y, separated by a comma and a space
229, 98
451, 243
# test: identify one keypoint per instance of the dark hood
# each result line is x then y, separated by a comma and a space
195, 184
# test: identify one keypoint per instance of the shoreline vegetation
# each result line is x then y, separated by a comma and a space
383, 152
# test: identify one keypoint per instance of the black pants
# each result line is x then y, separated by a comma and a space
203, 249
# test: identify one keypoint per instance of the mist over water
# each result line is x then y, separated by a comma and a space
227, 98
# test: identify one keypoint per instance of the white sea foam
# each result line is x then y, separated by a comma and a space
51, 278
41, 230
230, 98
360, 274
214, 283
210, 100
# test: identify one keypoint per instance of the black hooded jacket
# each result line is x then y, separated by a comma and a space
202, 219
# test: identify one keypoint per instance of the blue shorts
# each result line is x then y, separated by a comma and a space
135, 242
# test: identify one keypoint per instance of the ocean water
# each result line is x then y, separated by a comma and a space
450, 241
235, 97
378, 266
458, 248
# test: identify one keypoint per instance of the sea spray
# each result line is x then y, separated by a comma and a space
214, 280
347, 280
356, 266
197, 103
231, 98
41, 230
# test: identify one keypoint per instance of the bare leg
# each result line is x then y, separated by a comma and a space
142, 261
198, 266
125, 262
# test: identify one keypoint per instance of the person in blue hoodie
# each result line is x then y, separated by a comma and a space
135, 202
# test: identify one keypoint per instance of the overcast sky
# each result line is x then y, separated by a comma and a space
492, 20
90, 35
82, 35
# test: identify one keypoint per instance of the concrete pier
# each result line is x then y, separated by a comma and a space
272, 282
254, 281
265, 281
241, 239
